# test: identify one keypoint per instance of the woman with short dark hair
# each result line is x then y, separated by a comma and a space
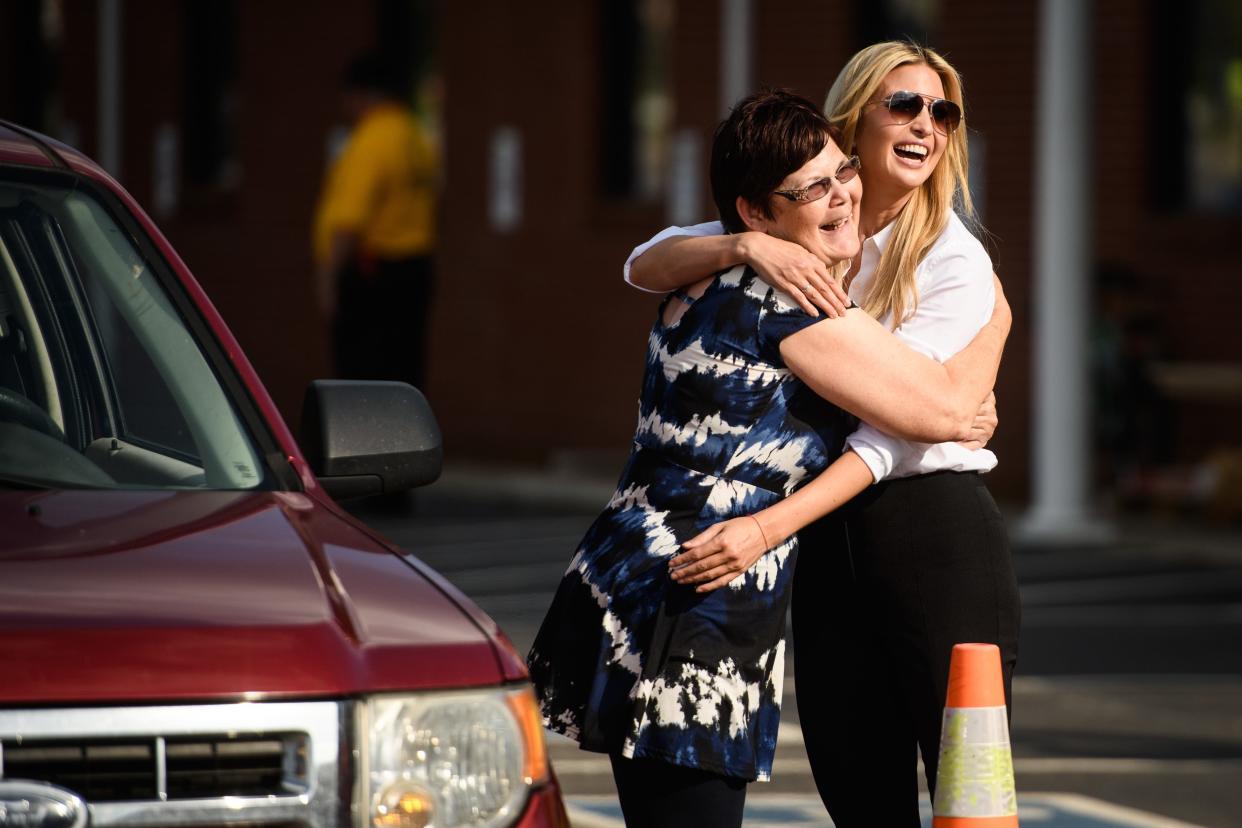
682, 688
921, 560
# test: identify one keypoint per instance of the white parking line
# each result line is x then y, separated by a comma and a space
805, 811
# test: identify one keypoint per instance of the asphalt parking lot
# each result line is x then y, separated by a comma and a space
1127, 703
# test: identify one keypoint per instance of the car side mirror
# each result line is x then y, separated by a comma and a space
367, 437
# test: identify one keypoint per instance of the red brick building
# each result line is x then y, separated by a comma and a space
573, 129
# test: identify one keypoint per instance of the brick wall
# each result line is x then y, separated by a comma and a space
537, 346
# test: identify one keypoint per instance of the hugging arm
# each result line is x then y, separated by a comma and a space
678, 260
861, 367
956, 302
984, 425
877, 378
723, 551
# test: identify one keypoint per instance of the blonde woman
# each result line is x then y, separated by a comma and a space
920, 560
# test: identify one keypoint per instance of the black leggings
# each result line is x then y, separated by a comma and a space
882, 592
656, 794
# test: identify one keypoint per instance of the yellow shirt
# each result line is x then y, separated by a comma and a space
382, 187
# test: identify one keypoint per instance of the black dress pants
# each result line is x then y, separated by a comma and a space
657, 794
383, 312
882, 592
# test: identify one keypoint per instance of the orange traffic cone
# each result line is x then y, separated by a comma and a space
974, 779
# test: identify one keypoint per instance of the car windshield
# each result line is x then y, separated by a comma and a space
102, 382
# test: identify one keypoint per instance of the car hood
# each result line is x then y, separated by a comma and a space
128, 595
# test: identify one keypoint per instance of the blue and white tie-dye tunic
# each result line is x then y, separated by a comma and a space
627, 660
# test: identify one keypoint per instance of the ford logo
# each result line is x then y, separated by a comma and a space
26, 804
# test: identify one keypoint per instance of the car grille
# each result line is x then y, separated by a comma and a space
104, 770
275, 765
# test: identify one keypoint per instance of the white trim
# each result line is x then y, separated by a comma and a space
1060, 449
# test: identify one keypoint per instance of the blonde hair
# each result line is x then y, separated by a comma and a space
894, 290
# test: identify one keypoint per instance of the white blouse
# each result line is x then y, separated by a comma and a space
956, 296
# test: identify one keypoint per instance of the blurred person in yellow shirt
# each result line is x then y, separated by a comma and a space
374, 233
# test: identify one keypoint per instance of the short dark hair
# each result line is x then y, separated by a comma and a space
767, 136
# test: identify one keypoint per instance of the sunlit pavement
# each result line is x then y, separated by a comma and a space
804, 811
1127, 702
1134, 740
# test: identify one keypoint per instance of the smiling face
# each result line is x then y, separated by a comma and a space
898, 158
827, 227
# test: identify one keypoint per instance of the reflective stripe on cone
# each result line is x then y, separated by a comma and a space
974, 778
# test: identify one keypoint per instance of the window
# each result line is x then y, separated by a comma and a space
102, 384
636, 98
29, 42
1196, 106
211, 164
898, 20
147, 414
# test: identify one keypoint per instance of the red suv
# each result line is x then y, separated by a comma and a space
192, 632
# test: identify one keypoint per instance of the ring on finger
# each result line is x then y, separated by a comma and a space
806, 288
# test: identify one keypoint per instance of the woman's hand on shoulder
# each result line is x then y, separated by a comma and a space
718, 554
792, 268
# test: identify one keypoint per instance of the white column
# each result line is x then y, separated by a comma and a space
108, 94
1061, 414
737, 48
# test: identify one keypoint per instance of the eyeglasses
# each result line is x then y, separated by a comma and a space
818, 189
905, 106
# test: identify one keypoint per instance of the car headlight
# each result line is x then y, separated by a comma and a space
442, 760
